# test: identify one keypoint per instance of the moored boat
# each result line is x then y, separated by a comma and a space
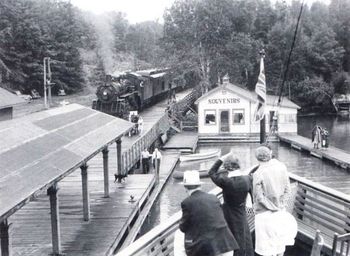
200, 156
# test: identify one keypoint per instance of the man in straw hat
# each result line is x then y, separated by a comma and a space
203, 222
274, 226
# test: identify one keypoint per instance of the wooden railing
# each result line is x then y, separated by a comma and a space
314, 206
320, 207
131, 156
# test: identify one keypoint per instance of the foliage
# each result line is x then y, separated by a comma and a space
200, 40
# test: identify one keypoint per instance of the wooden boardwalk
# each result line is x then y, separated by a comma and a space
337, 156
110, 217
184, 142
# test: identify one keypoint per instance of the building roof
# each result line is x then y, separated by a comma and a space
249, 95
42, 148
8, 99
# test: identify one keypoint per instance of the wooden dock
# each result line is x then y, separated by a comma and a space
339, 157
185, 142
111, 218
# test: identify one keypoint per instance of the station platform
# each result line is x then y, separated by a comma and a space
110, 220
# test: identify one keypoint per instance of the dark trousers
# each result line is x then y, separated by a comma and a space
145, 165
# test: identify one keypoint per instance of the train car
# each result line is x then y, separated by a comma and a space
133, 91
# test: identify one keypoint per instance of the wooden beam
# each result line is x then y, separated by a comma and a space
5, 238
105, 172
119, 157
55, 219
85, 190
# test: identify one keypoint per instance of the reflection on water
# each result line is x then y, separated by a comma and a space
297, 162
338, 127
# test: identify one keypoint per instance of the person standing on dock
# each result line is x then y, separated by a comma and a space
145, 155
236, 186
316, 135
156, 158
203, 222
275, 228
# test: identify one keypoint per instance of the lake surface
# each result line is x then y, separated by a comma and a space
297, 162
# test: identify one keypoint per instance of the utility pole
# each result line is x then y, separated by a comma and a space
263, 121
47, 82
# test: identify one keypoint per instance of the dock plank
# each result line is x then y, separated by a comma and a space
336, 155
184, 142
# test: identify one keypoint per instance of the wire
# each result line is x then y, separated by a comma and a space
290, 54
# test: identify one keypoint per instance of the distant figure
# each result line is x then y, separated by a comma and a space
274, 226
316, 135
145, 155
203, 222
156, 158
235, 188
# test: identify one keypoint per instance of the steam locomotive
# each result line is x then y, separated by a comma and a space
133, 91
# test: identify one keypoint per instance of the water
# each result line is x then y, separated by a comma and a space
297, 162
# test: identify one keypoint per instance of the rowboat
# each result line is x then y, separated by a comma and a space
180, 174
200, 156
321, 213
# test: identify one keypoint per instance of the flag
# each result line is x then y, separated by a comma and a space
260, 89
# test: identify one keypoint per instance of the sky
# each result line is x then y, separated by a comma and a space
136, 10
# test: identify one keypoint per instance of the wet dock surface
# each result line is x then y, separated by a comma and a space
337, 156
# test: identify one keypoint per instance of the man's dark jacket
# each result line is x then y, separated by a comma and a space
204, 225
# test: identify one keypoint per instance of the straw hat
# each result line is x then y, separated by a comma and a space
191, 178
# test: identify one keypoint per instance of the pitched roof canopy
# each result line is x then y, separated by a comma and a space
42, 148
8, 99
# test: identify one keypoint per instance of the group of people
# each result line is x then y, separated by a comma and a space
210, 229
146, 157
319, 136
135, 118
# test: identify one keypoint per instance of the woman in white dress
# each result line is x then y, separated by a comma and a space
275, 228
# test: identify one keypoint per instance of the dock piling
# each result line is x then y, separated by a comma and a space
105, 172
55, 219
85, 190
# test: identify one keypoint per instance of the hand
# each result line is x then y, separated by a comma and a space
228, 157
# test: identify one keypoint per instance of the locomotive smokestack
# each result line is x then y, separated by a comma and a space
108, 79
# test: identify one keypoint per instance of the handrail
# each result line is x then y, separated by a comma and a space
146, 240
160, 232
320, 187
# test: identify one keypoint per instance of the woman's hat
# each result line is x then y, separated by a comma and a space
191, 178
263, 154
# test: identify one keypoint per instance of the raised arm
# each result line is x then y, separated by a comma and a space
220, 178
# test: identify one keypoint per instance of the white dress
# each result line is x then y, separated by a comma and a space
275, 228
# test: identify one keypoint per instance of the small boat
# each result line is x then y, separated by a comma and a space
179, 174
200, 156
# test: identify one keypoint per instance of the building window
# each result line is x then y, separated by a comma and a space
210, 117
238, 116
163, 85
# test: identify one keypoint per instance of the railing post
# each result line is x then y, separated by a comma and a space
55, 219
5, 238
105, 171
85, 191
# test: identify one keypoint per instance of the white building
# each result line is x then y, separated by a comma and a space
229, 109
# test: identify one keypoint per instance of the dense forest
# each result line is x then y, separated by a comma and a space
199, 39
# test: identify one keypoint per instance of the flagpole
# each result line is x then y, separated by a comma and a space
262, 121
